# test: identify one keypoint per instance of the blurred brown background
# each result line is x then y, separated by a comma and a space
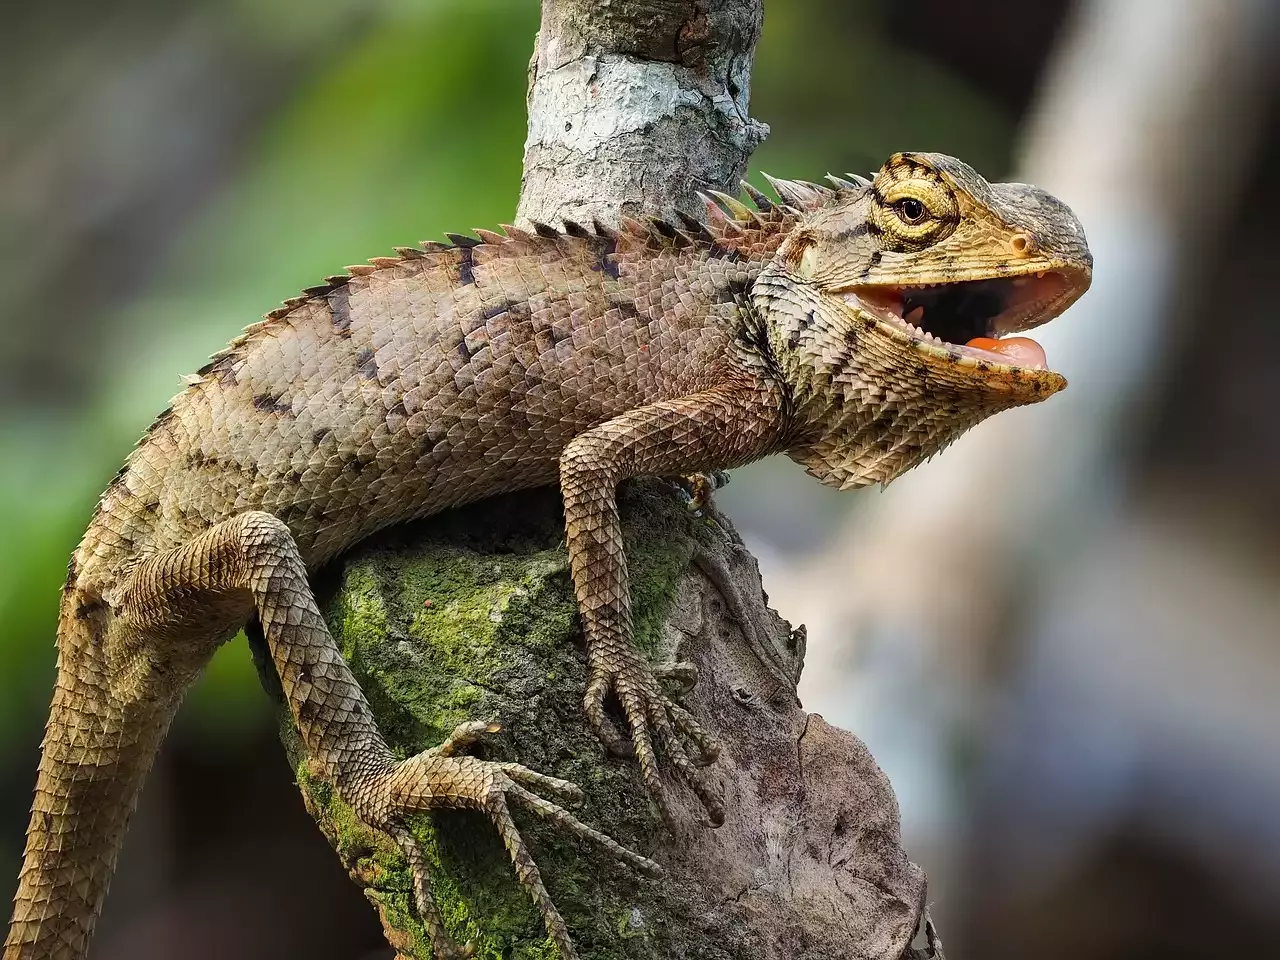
1061, 638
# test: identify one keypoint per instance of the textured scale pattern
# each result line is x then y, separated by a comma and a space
455, 372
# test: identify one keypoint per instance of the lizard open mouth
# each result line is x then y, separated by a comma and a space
972, 318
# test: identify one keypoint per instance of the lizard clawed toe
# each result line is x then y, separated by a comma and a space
464, 736
654, 717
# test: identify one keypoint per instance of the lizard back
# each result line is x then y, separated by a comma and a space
425, 381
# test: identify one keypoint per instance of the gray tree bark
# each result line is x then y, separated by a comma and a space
633, 107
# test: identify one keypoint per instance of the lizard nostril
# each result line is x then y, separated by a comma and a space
1023, 244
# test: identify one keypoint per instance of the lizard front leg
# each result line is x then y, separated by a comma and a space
727, 425
252, 560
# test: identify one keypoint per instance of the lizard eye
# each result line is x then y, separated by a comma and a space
910, 209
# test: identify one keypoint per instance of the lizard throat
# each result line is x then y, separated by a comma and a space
971, 319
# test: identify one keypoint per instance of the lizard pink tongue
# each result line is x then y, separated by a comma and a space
1019, 351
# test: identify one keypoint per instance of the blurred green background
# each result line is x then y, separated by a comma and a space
171, 170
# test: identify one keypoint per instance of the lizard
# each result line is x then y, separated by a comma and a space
857, 328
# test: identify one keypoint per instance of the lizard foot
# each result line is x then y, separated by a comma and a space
653, 716
444, 778
696, 489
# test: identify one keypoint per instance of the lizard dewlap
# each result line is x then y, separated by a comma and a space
857, 328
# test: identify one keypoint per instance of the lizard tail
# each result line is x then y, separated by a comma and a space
95, 756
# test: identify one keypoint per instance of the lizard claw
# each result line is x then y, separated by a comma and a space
600, 723
696, 489
654, 717
441, 778
465, 735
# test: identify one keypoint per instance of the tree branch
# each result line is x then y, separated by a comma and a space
635, 105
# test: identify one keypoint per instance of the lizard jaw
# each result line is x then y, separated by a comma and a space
966, 321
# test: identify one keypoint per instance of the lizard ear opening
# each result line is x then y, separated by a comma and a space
800, 254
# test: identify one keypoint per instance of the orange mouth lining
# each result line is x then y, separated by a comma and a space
972, 317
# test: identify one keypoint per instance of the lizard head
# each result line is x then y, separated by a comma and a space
896, 308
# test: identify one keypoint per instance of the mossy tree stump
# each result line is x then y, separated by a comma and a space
471, 616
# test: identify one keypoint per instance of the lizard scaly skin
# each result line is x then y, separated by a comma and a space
452, 373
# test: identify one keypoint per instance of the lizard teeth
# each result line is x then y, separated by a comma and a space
912, 321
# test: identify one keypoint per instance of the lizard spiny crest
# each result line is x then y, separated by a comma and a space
752, 234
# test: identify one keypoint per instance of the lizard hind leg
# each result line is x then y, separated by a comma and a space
253, 557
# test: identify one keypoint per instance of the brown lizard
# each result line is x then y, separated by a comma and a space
858, 329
